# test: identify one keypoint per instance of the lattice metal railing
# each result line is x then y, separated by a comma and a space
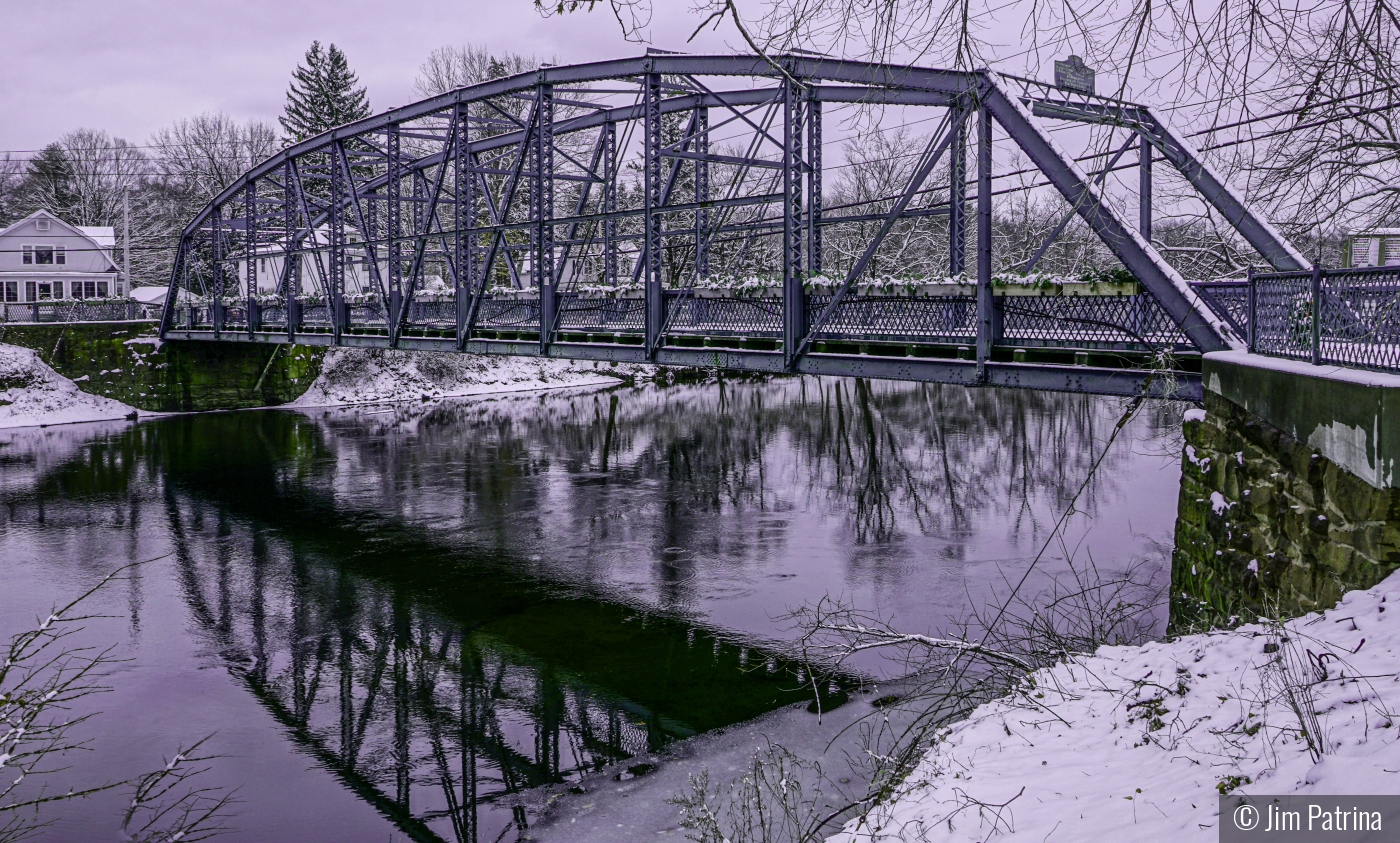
1227, 299
1091, 321
367, 315
943, 319
1346, 317
432, 314
75, 310
598, 314
1135, 322
754, 317
274, 317
508, 313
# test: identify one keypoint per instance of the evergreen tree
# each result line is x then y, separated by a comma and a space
324, 94
49, 183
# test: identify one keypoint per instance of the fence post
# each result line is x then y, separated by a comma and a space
1251, 314
36, 311
1317, 315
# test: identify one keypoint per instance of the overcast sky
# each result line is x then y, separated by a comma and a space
132, 66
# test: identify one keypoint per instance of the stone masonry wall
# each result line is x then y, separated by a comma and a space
122, 360
1266, 525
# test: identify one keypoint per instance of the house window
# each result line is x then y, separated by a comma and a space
41, 255
58, 289
41, 225
11, 291
45, 291
102, 289
30, 293
119, 287
60, 255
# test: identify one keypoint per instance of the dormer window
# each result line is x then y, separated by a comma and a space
44, 255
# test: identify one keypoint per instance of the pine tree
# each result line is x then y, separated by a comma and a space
49, 183
324, 94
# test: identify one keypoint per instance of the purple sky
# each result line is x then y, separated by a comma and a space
133, 66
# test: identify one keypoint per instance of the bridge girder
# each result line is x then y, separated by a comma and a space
468, 182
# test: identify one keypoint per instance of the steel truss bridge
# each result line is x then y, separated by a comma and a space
585, 212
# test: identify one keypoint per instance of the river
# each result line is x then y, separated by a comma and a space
400, 622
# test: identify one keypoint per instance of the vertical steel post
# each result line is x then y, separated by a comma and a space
1145, 189
335, 227
655, 301
814, 185
250, 241
957, 194
543, 258
987, 322
702, 194
610, 204
1317, 314
1251, 310
417, 263
216, 252
794, 294
464, 241
393, 214
291, 258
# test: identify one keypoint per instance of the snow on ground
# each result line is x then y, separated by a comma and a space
1136, 743
31, 393
355, 376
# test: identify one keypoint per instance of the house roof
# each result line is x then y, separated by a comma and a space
102, 236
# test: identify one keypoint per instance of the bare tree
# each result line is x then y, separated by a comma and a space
200, 156
44, 678
449, 67
1304, 87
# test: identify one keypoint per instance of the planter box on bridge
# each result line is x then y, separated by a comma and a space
928, 291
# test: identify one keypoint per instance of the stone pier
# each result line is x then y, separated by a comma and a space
1290, 492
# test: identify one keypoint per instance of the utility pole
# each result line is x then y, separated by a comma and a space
126, 238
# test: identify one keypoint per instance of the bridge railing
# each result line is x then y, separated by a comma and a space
76, 310
1344, 317
1134, 322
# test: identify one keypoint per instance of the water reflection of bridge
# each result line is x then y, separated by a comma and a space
437, 686
372, 580
514, 194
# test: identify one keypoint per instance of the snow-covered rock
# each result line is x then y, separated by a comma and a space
32, 393
1137, 743
356, 376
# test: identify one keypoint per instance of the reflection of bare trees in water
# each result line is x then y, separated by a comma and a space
891, 458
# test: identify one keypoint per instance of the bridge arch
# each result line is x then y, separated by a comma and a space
669, 208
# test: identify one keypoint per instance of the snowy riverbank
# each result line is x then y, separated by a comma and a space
32, 393
360, 376
1136, 743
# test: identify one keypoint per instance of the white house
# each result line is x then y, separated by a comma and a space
43, 258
